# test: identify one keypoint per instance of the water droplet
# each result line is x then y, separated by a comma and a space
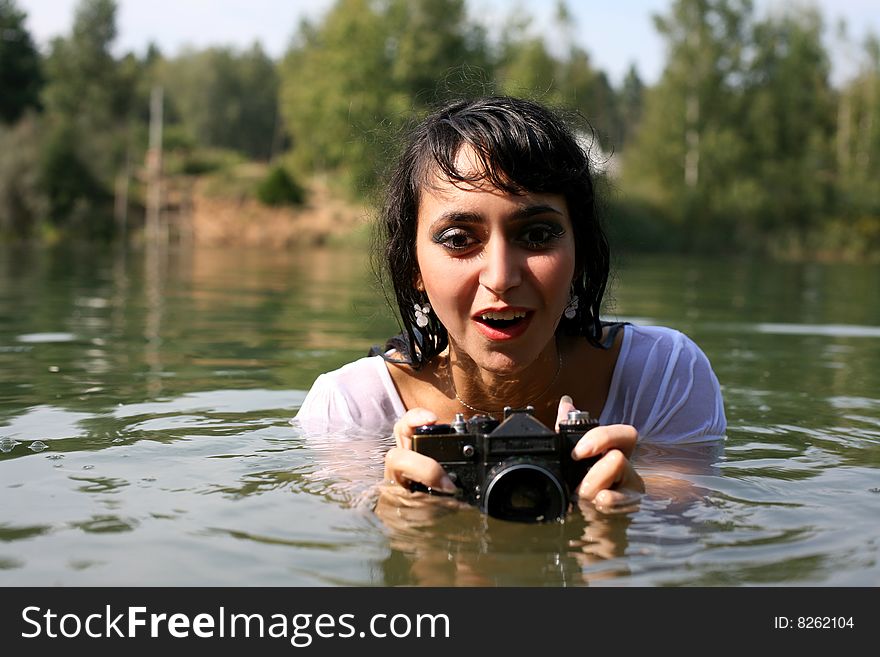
38, 446
54, 368
55, 457
88, 467
7, 444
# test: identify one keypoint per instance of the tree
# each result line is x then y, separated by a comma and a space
563, 76
21, 201
857, 152
363, 71
89, 102
225, 99
631, 103
336, 90
790, 123
436, 53
687, 154
76, 199
83, 80
20, 75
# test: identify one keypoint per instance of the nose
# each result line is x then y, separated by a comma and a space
501, 269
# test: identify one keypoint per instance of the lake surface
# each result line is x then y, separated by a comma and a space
145, 401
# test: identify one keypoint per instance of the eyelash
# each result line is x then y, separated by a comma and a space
445, 239
549, 232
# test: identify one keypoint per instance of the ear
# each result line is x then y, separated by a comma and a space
417, 282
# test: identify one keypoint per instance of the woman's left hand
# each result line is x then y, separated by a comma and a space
612, 481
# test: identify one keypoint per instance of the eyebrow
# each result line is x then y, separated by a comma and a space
525, 212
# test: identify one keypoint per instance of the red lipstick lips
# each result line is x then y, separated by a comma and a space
499, 324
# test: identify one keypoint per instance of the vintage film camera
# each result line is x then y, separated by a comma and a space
516, 469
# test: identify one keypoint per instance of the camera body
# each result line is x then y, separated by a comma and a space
516, 469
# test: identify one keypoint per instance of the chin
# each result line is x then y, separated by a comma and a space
505, 362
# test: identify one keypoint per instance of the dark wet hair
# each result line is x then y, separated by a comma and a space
522, 147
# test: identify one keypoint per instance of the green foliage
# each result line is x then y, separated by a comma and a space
233, 181
429, 43
735, 140
349, 83
224, 99
22, 203
20, 74
631, 100
336, 91
88, 97
182, 157
742, 144
76, 199
857, 144
83, 78
279, 188
790, 121
685, 145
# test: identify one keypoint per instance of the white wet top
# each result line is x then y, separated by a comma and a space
662, 384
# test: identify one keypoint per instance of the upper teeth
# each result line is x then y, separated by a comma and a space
504, 314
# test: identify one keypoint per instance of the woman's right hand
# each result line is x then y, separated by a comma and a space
404, 466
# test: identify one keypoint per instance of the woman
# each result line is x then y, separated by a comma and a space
499, 263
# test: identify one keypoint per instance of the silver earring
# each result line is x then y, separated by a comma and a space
422, 312
572, 307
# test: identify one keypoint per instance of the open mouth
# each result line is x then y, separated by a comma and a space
502, 323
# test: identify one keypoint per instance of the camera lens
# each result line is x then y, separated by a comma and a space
524, 492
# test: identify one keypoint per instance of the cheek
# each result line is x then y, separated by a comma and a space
444, 286
555, 276
448, 291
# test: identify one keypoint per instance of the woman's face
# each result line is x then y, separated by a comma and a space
496, 267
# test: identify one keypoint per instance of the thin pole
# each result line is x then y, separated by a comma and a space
154, 165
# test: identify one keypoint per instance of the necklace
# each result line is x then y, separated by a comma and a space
483, 412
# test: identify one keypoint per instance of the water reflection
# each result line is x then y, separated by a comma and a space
438, 542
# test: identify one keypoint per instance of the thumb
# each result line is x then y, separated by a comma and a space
566, 404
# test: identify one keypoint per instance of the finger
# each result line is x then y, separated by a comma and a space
566, 404
602, 439
610, 499
406, 467
404, 427
612, 472
604, 474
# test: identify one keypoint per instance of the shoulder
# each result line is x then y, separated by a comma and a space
368, 368
661, 337
659, 348
358, 394
665, 386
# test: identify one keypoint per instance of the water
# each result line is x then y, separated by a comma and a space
144, 434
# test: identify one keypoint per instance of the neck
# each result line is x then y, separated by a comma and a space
478, 390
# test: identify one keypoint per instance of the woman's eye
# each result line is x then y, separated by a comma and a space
541, 235
455, 239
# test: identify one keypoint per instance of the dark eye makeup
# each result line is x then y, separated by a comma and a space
455, 239
540, 235
534, 235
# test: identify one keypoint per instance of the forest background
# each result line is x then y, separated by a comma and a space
743, 144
